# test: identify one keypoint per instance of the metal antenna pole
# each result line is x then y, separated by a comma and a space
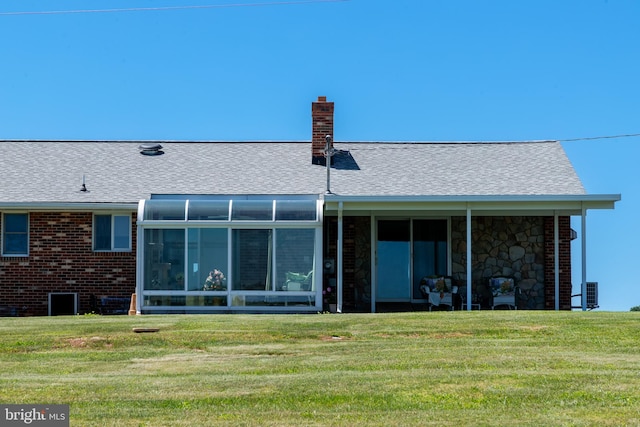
328, 153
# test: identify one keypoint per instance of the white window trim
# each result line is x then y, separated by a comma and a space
113, 215
2, 235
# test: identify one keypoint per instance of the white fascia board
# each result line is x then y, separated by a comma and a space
67, 206
562, 204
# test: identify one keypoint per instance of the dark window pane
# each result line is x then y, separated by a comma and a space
164, 259
15, 234
252, 258
295, 250
16, 223
122, 227
298, 210
15, 244
393, 231
102, 232
208, 253
430, 230
169, 210
252, 210
429, 251
211, 210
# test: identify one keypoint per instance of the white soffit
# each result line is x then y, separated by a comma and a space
488, 205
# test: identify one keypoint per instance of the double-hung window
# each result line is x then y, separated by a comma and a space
111, 232
15, 234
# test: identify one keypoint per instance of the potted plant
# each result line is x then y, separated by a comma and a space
215, 281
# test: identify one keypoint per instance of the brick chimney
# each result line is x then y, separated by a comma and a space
322, 118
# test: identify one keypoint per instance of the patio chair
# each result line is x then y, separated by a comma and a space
437, 291
504, 291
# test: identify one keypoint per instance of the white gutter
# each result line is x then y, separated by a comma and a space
68, 206
478, 198
567, 204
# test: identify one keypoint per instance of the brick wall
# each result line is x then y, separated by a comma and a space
564, 228
322, 125
61, 259
356, 260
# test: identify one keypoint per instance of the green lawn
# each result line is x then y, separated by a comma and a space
525, 368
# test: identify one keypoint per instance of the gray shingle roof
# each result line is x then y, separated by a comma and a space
52, 171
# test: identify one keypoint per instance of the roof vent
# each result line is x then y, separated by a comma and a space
151, 149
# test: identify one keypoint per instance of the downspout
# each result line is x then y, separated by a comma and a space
469, 281
339, 260
583, 291
556, 250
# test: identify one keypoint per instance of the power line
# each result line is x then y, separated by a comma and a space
628, 135
407, 145
165, 8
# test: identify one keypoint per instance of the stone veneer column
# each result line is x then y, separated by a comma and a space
503, 246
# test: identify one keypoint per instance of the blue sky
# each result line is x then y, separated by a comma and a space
398, 70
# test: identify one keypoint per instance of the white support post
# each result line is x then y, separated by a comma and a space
583, 288
140, 264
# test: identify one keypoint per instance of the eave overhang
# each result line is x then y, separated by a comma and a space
478, 204
441, 205
66, 206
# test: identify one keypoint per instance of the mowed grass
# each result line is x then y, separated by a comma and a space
525, 368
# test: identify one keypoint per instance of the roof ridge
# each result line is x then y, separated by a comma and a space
185, 141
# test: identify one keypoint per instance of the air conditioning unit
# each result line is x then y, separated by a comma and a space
592, 295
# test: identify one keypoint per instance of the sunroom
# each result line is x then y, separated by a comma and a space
229, 253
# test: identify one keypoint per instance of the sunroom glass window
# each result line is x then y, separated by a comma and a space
252, 210
296, 210
210, 210
168, 210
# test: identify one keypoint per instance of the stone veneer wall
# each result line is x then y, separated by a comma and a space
521, 247
502, 246
61, 259
362, 267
